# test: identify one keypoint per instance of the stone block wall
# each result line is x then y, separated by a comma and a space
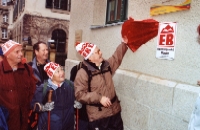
151, 103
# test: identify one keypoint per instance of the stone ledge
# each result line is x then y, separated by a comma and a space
159, 81
104, 26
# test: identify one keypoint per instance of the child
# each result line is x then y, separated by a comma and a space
58, 111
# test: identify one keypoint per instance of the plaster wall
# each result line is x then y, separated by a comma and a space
155, 94
185, 66
38, 7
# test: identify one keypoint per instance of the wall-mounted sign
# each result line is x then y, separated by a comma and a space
166, 41
163, 9
78, 35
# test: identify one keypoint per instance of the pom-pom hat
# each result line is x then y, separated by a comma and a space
50, 68
85, 49
9, 46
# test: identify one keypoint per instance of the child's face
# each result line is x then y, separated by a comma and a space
59, 75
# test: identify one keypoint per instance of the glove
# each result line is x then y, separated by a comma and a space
77, 104
48, 106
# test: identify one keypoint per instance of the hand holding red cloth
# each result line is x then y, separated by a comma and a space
139, 32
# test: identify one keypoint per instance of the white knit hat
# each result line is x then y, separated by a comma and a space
9, 46
85, 49
50, 68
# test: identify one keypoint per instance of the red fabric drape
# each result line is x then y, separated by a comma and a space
139, 32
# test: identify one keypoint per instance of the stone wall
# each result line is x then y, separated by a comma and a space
40, 28
150, 103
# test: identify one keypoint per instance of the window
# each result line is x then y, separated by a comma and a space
49, 3
58, 4
4, 3
15, 11
5, 18
116, 11
4, 33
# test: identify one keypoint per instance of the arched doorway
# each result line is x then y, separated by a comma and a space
59, 37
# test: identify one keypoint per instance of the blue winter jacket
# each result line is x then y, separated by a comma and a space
62, 116
3, 118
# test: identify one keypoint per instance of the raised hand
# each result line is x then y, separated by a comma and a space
125, 39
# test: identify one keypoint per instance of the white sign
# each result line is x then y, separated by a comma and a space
166, 41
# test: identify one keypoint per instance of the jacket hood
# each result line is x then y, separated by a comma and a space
92, 66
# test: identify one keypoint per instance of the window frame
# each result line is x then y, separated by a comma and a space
4, 3
59, 3
50, 5
123, 11
5, 18
16, 11
4, 33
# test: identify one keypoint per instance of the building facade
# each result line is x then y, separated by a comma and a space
155, 94
5, 19
35, 20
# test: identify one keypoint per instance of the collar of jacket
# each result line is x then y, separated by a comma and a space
52, 85
92, 66
34, 63
35, 69
8, 68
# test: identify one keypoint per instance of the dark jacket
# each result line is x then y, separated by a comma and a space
38, 96
16, 92
62, 116
101, 85
3, 118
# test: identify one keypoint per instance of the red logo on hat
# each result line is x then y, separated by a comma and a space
86, 49
8, 45
51, 68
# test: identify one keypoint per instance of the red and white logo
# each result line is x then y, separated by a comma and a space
85, 49
166, 41
50, 68
167, 36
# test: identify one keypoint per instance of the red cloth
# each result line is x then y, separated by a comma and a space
139, 32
